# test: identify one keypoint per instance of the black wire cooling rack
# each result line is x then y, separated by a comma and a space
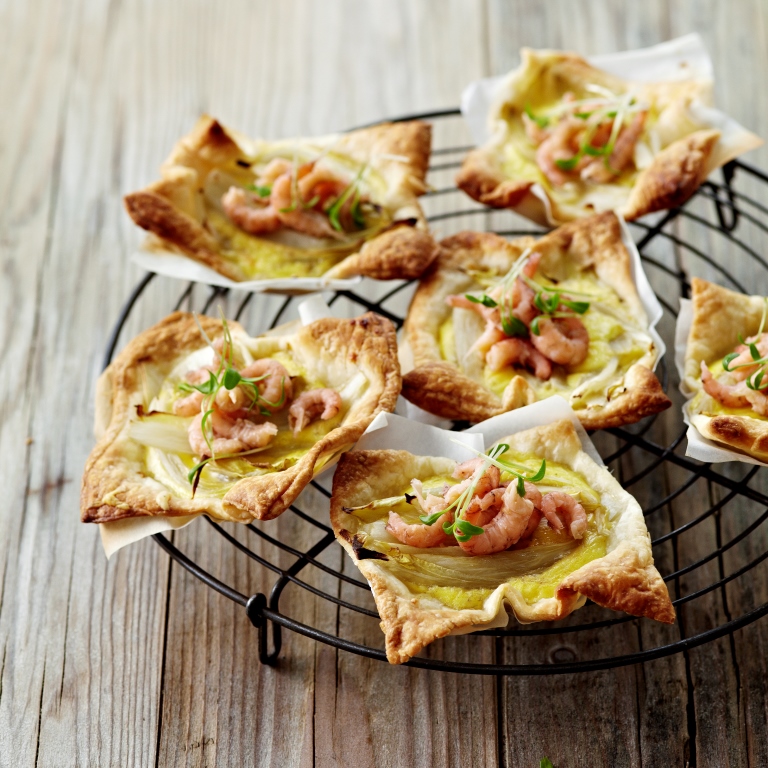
705, 519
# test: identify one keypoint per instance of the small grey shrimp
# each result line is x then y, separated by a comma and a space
511, 351
730, 395
228, 435
420, 534
249, 212
562, 509
275, 388
505, 529
600, 172
293, 215
313, 404
563, 340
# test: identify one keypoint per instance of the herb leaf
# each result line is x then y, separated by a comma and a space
485, 300
261, 191
231, 378
542, 122
513, 326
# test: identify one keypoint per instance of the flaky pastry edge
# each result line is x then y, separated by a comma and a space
624, 579
115, 482
438, 386
675, 173
173, 210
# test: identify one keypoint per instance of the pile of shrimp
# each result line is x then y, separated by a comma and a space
561, 340
236, 423
567, 138
730, 388
505, 517
298, 198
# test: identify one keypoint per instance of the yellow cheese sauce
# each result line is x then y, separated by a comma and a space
614, 340
458, 580
259, 257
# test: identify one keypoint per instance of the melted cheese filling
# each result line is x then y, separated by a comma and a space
616, 343
459, 580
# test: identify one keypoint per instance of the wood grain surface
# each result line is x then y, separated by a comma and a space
134, 662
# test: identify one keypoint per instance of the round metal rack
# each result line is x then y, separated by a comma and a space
717, 234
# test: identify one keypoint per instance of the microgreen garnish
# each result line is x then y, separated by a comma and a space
357, 215
485, 300
757, 380
545, 762
335, 210
513, 326
461, 528
260, 190
227, 377
542, 122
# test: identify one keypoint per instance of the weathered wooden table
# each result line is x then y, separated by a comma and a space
134, 662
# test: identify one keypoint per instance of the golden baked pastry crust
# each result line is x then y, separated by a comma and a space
116, 482
174, 209
689, 151
624, 579
719, 316
438, 385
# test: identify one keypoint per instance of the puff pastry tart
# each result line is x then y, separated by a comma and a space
496, 325
725, 368
195, 416
334, 206
534, 525
569, 140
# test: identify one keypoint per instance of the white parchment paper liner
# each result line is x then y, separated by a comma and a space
181, 267
120, 533
390, 431
699, 447
683, 58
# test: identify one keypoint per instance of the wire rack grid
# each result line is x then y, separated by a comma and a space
720, 227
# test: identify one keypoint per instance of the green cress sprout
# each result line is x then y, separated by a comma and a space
226, 377
548, 301
757, 380
462, 529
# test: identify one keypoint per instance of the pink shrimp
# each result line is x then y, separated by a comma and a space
519, 351
505, 529
293, 215
274, 169
189, 405
563, 340
532, 493
730, 395
600, 172
534, 131
482, 510
276, 388
229, 435
419, 534
522, 301
562, 509
559, 145
311, 405
249, 213
322, 183
745, 357
429, 504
